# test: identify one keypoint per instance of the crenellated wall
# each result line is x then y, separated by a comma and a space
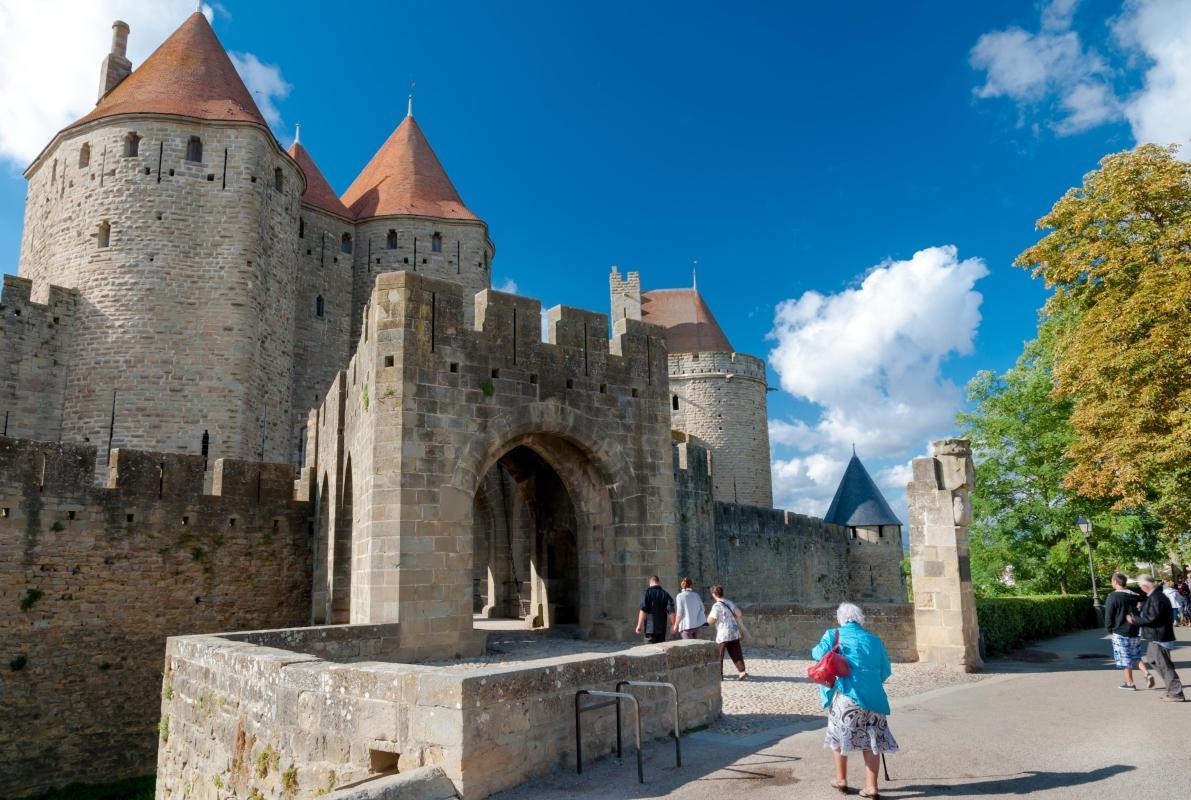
768, 555
33, 338
185, 318
93, 579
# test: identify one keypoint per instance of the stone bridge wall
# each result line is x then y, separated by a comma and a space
93, 580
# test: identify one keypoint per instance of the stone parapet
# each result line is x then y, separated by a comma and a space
254, 717
797, 627
34, 338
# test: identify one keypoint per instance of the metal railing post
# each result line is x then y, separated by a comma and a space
677, 735
615, 698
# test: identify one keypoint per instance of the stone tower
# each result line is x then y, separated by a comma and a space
170, 210
409, 217
874, 536
717, 396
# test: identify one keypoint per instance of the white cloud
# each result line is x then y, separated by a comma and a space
806, 484
1053, 74
264, 82
1161, 31
870, 356
508, 285
896, 477
49, 75
1049, 68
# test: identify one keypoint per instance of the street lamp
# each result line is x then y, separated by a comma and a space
1085, 527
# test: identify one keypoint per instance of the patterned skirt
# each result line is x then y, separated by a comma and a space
851, 728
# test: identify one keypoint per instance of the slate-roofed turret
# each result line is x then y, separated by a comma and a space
858, 501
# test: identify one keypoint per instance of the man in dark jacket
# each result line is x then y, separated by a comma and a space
1157, 629
1126, 646
656, 612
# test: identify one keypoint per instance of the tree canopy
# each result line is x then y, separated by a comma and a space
1118, 256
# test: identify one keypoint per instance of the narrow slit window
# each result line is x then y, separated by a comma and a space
319, 306
301, 228
194, 149
132, 145
345, 243
674, 402
436, 243
278, 179
104, 237
391, 240
84, 155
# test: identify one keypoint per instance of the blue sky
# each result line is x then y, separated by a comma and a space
789, 148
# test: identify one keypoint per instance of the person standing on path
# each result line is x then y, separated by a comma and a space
1177, 604
656, 613
1156, 628
727, 619
691, 616
1126, 646
857, 704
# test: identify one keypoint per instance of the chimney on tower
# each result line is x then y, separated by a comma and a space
116, 66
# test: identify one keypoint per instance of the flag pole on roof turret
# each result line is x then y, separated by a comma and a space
409, 109
298, 133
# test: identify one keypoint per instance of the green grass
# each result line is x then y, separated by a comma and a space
128, 789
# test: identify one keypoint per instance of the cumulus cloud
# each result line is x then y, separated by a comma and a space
49, 75
806, 484
1053, 74
1161, 30
507, 285
870, 356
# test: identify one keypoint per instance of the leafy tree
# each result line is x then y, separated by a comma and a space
1118, 256
1024, 516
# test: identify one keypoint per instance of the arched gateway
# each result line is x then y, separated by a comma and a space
493, 472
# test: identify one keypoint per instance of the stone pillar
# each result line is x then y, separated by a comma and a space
940, 511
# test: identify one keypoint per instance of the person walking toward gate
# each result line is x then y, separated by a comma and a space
857, 703
1157, 629
656, 613
691, 616
1126, 646
728, 621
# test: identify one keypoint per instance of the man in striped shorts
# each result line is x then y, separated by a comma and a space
1126, 646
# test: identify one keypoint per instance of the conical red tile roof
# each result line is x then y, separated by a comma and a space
189, 75
689, 323
405, 177
318, 192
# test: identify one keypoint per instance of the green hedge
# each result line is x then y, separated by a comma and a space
1009, 622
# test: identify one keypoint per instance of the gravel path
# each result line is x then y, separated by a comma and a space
779, 693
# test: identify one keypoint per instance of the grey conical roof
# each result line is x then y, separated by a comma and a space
858, 501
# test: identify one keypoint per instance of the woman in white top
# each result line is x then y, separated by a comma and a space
729, 627
690, 616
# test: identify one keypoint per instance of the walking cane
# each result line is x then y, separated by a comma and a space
886, 768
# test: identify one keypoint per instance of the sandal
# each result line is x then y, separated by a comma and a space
840, 786
870, 791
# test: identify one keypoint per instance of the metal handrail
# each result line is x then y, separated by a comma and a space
615, 698
663, 685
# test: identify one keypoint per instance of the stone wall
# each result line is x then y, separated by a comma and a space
33, 337
187, 313
720, 400
792, 626
247, 713
768, 555
93, 580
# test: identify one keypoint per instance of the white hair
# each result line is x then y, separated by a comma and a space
849, 612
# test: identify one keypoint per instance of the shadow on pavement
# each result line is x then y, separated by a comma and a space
1023, 784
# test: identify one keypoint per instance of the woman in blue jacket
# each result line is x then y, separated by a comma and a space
857, 703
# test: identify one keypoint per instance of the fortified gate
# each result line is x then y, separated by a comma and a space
467, 468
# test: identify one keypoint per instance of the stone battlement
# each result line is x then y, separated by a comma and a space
709, 364
67, 471
33, 338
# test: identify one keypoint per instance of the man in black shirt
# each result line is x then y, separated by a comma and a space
656, 613
1126, 646
1157, 627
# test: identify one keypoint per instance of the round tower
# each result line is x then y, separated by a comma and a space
409, 216
172, 210
717, 396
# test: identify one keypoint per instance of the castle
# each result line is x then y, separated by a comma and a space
327, 387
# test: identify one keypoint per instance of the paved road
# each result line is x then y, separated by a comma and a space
1052, 727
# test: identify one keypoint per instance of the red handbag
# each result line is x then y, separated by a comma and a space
831, 666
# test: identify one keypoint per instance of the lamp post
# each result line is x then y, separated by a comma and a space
1085, 527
